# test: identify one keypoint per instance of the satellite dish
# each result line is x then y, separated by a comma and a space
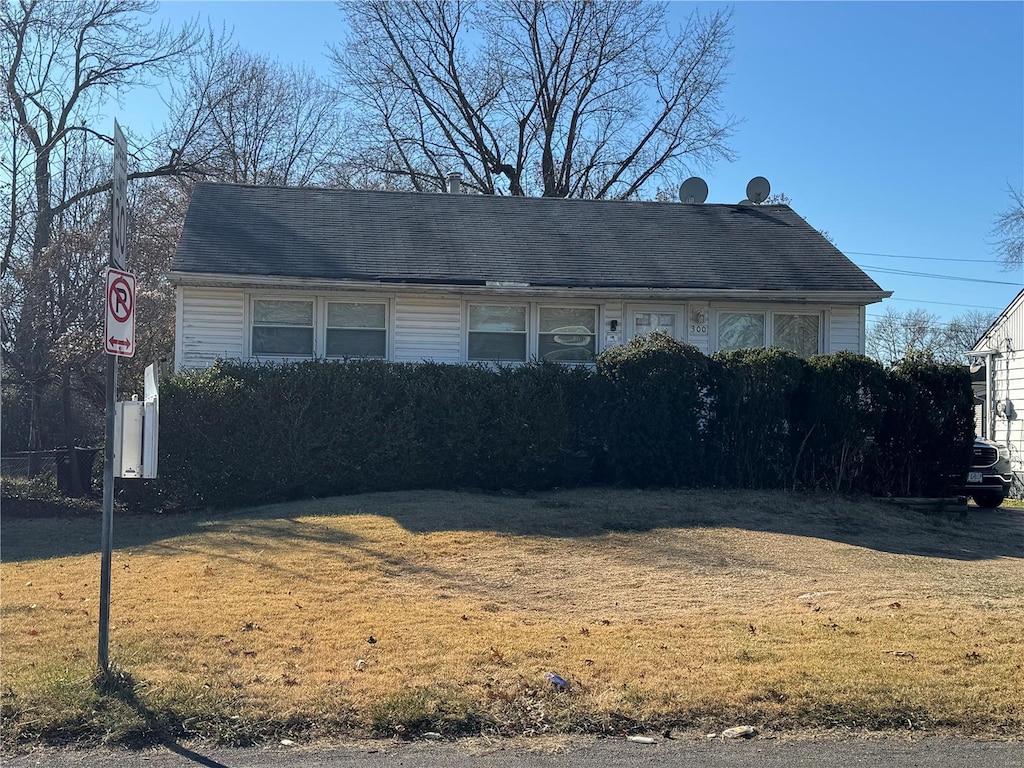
746, 202
693, 190
758, 189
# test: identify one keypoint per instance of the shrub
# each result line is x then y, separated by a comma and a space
926, 436
754, 445
243, 434
659, 411
654, 413
839, 413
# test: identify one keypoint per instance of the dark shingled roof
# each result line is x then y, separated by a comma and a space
410, 237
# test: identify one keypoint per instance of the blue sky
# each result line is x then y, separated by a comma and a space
895, 127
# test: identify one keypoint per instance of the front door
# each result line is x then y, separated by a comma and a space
644, 320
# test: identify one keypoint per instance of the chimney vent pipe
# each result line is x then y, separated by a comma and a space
454, 183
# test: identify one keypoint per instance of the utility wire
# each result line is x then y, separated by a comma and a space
946, 303
921, 258
938, 277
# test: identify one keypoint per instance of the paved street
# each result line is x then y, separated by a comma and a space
875, 752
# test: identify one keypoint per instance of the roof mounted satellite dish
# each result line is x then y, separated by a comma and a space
758, 189
746, 202
693, 190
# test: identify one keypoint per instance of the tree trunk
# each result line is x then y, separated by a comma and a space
32, 354
74, 478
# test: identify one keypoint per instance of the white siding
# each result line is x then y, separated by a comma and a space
212, 323
1007, 336
428, 329
611, 310
845, 331
211, 326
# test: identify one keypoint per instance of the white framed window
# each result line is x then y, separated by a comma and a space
799, 333
648, 321
282, 327
741, 330
356, 329
497, 333
567, 334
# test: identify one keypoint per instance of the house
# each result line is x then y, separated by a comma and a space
276, 274
998, 357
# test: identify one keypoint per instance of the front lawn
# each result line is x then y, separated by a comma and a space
402, 613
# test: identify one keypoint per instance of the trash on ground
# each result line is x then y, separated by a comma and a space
640, 739
740, 732
558, 681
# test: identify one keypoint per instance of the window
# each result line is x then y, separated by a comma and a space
800, 333
497, 332
648, 322
283, 328
740, 330
567, 334
356, 330
797, 333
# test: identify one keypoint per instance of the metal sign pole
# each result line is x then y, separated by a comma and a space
118, 248
107, 537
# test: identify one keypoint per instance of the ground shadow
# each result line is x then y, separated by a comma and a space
120, 685
957, 532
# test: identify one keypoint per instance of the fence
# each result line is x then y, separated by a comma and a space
21, 464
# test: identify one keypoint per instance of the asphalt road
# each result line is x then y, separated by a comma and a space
874, 752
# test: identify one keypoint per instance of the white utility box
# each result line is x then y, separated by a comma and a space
128, 420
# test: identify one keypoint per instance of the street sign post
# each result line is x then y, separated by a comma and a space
118, 341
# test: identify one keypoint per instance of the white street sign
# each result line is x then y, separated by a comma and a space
119, 331
119, 205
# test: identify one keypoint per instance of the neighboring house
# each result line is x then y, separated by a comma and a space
999, 366
275, 274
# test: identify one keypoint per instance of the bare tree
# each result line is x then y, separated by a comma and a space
962, 333
61, 63
261, 122
898, 335
1009, 231
535, 97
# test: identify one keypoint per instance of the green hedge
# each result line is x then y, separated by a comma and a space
654, 412
658, 407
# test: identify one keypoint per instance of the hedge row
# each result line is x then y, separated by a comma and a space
653, 413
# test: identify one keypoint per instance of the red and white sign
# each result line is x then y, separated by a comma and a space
119, 331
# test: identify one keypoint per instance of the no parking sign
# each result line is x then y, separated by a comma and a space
119, 331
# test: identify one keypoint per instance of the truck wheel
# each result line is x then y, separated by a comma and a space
989, 499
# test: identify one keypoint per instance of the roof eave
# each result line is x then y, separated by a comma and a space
263, 282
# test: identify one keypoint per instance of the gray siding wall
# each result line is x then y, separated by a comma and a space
210, 325
428, 329
845, 330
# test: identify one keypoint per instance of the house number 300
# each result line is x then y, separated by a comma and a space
698, 329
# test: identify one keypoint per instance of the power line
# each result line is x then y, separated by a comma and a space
947, 304
920, 258
938, 276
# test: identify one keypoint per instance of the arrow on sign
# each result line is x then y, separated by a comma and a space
119, 342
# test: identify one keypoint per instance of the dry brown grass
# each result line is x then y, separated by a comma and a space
661, 609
